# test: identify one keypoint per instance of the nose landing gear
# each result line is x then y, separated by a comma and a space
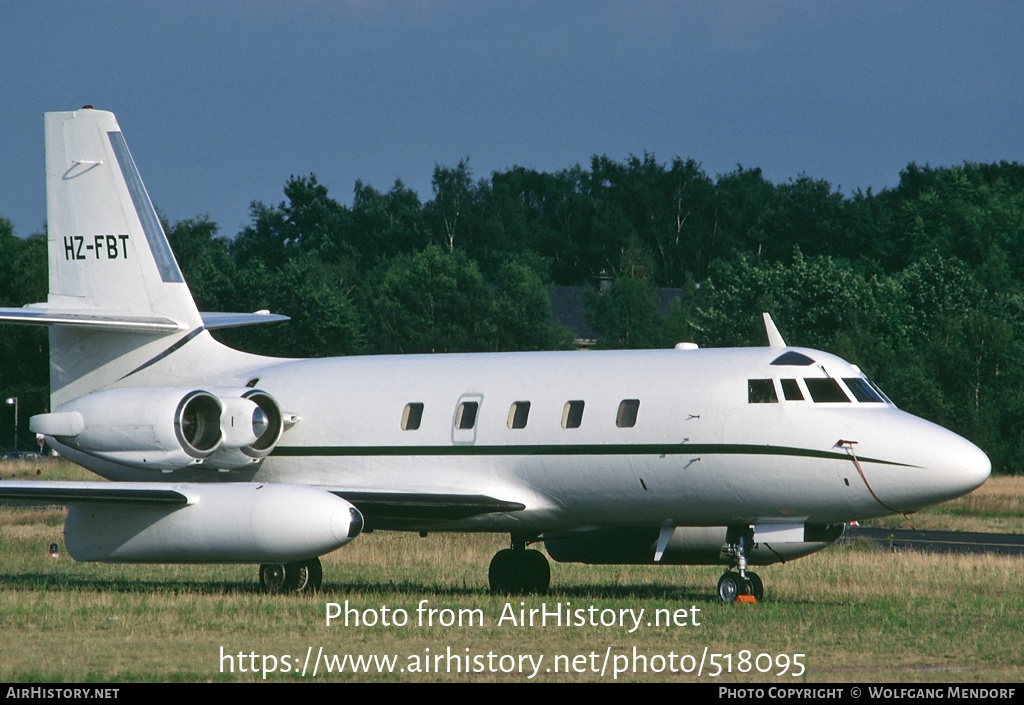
740, 582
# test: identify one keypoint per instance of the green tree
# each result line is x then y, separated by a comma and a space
24, 351
308, 222
521, 312
206, 262
386, 224
626, 315
324, 319
431, 301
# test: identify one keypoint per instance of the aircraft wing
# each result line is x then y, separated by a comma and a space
76, 492
402, 510
381, 510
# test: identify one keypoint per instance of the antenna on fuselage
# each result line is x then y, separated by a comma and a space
774, 336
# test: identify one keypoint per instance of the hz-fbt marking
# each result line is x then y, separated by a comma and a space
75, 244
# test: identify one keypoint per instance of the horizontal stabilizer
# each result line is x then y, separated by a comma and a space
96, 320
233, 320
127, 322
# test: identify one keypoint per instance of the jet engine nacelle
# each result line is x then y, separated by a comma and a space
159, 429
688, 545
252, 424
221, 523
166, 428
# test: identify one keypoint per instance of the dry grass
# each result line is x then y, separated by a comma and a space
45, 469
997, 506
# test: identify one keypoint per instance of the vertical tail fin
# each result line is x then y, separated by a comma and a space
118, 306
107, 248
115, 289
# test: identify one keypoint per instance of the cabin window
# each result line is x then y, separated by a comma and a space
465, 418
411, 416
628, 408
518, 414
791, 390
761, 391
572, 414
862, 391
825, 390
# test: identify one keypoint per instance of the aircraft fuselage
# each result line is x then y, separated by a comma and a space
694, 448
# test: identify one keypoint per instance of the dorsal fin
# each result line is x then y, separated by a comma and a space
774, 336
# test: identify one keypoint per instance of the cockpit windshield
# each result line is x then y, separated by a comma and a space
820, 390
862, 390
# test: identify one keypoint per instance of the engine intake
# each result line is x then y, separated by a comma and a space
197, 424
252, 424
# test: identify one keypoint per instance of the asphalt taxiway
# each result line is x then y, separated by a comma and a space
939, 541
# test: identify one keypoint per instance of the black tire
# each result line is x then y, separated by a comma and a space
302, 576
756, 586
731, 586
308, 575
537, 572
519, 572
276, 578
501, 574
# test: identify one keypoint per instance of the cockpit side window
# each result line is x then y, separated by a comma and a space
761, 391
825, 389
791, 390
862, 391
880, 393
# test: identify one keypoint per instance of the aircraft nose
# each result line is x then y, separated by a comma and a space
957, 467
969, 466
935, 465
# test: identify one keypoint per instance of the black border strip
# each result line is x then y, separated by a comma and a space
556, 450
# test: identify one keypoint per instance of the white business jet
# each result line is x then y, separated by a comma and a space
739, 457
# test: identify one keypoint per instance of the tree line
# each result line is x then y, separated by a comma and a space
921, 285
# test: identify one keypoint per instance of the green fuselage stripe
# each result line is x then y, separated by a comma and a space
603, 449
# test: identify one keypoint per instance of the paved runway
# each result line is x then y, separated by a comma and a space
940, 541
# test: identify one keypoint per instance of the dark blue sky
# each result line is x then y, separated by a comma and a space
222, 101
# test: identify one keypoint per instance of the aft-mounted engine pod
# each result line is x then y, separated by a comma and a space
251, 425
148, 428
274, 424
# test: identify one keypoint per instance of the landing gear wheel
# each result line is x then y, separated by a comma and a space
308, 575
303, 576
739, 582
731, 586
274, 578
756, 586
518, 571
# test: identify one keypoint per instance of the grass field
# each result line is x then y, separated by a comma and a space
856, 614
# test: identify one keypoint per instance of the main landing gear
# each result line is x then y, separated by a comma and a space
741, 581
517, 570
302, 576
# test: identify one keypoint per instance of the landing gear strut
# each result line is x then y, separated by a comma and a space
302, 576
517, 570
740, 581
